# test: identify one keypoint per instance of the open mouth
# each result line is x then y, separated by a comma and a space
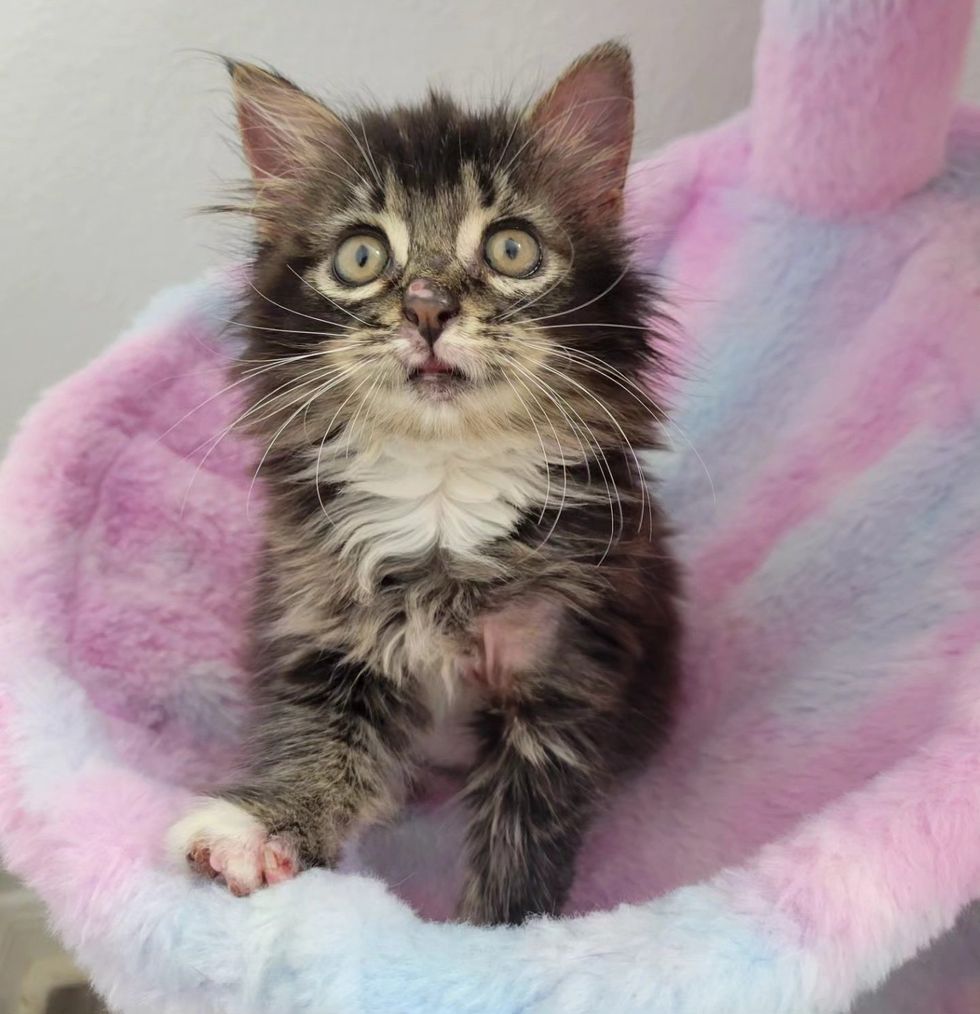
435, 374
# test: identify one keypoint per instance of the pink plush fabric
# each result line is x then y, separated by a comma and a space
813, 824
848, 117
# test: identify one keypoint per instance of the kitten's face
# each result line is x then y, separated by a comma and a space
434, 272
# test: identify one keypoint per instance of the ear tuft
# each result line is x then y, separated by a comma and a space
584, 124
281, 126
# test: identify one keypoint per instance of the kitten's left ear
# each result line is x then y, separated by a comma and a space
584, 126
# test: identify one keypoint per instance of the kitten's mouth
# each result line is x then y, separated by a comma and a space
436, 378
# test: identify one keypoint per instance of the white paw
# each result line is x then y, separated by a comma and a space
217, 838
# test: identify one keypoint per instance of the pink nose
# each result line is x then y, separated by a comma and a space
429, 307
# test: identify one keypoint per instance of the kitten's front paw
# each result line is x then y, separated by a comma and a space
218, 838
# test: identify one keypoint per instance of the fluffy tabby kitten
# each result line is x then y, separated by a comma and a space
447, 354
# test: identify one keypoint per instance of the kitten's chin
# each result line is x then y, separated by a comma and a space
441, 409
444, 386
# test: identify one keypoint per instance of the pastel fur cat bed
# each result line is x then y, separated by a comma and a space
814, 823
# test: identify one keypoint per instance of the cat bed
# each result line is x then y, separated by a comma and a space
810, 838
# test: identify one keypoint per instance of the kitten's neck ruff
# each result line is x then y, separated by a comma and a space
402, 498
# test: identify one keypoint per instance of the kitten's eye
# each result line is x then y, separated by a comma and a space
513, 252
360, 258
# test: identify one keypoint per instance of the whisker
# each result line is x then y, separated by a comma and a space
518, 120
673, 426
328, 429
215, 441
248, 375
369, 155
301, 381
626, 384
332, 302
626, 440
289, 330
365, 401
347, 162
316, 376
544, 453
642, 396
564, 466
594, 363
592, 324
299, 313
602, 461
638, 395
316, 394
582, 306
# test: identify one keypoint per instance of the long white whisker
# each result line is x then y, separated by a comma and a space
604, 467
369, 155
299, 313
365, 401
597, 365
639, 468
518, 120
582, 306
544, 453
576, 430
641, 396
592, 324
340, 155
641, 475
332, 302
328, 429
216, 440
249, 374
311, 376
564, 465
627, 385
316, 394
674, 427
316, 376
290, 330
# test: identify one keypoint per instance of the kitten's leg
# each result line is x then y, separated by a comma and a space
329, 744
542, 766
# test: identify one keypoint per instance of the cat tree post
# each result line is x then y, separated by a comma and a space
853, 99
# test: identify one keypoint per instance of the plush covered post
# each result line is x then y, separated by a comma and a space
853, 99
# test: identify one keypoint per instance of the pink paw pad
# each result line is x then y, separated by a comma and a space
221, 840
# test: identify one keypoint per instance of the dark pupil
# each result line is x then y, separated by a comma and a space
512, 248
362, 255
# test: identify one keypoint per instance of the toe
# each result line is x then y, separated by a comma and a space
199, 860
279, 861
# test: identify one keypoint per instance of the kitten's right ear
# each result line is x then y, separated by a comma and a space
282, 128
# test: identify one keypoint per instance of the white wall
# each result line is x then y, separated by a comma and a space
113, 129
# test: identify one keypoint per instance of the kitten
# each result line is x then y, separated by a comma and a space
447, 356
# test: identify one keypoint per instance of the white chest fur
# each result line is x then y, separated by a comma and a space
401, 498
